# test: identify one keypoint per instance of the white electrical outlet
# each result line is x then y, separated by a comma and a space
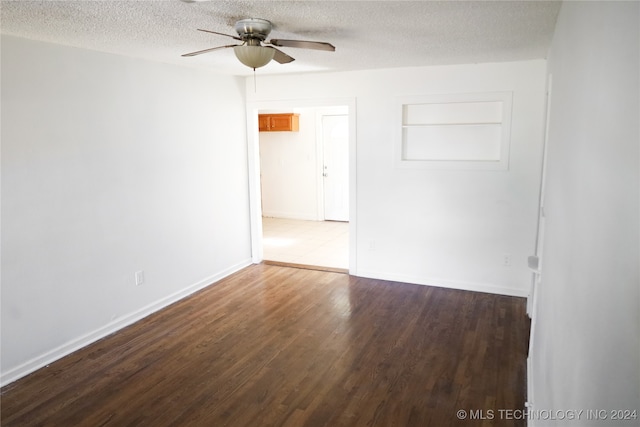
139, 277
506, 260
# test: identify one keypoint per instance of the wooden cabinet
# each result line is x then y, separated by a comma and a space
288, 122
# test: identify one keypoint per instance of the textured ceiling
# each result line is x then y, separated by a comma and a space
367, 34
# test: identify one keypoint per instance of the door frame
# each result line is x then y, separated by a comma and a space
253, 155
532, 299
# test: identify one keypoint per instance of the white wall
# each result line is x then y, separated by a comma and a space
288, 166
111, 165
443, 227
586, 352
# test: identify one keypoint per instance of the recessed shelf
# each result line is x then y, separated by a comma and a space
456, 131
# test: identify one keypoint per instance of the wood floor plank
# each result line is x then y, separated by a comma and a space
279, 346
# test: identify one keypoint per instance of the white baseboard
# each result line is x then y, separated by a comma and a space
290, 215
465, 286
91, 337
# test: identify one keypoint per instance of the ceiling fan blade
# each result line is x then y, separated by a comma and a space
209, 50
281, 57
303, 44
220, 34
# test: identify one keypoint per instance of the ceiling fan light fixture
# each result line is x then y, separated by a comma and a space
254, 56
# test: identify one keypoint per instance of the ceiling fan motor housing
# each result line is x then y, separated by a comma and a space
253, 28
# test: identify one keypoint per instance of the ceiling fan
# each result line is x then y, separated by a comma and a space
253, 32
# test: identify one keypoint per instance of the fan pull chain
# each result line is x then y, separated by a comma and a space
255, 86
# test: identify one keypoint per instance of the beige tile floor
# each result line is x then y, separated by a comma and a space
318, 243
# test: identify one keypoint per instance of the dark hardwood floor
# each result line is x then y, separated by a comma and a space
278, 346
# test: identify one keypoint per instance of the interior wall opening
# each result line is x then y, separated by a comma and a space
304, 185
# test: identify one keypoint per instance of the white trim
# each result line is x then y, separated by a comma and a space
319, 166
76, 344
255, 192
532, 299
253, 148
449, 284
290, 215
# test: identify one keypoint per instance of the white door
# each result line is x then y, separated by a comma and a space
335, 142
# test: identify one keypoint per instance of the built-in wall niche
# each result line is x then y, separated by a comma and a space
455, 131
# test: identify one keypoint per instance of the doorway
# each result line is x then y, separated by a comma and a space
304, 189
